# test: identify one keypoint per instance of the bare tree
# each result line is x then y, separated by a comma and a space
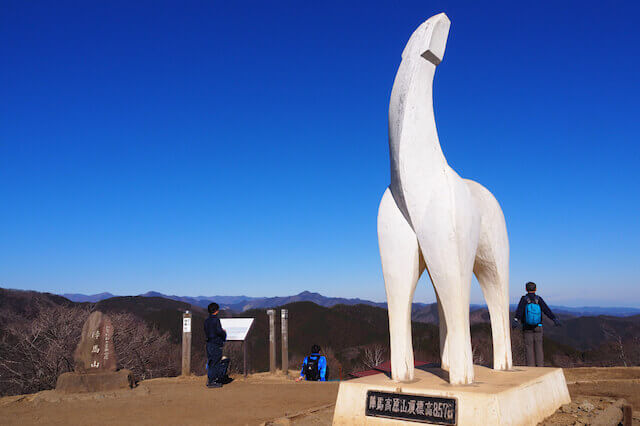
143, 349
616, 340
517, 347
233, 351
373, 355
34, 352
334, 367
635, 350
481, 344
478, 357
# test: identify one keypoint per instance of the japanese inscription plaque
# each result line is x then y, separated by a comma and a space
95, 352
416, 408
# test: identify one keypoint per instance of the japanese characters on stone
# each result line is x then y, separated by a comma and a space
413, 407
95, 352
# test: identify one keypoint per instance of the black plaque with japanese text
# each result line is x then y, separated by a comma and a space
417, 408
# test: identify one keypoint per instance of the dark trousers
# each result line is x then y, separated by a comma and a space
533, 347
216, 366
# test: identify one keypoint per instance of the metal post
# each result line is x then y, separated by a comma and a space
186, 343
285, 341
244, 350
272, 340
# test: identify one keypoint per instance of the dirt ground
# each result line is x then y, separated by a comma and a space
183, 401
272, 400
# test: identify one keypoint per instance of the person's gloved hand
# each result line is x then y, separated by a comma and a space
557, 322
515, 323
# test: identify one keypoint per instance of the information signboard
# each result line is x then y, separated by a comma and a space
236, 328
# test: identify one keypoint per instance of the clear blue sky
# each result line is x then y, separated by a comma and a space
201, 147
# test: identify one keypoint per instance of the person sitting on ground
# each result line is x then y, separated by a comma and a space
529, 313
214, 333
314, 367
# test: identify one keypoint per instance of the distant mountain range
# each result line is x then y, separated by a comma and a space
238, 303
422, 312
92, 298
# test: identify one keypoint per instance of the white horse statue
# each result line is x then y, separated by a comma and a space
431, 219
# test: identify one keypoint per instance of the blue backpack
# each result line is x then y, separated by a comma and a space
532, 313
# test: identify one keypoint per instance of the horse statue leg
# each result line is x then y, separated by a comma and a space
448, 238
491, 267
401, 267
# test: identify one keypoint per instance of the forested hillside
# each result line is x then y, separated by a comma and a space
39, 331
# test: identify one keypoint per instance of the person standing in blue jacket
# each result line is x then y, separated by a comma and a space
529, 314
314, 367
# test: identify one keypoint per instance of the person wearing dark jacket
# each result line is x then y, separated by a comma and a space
216, 336
529, 314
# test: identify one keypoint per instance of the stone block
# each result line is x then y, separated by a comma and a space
95, 382
522, 396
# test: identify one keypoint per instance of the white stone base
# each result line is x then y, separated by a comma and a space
522, 396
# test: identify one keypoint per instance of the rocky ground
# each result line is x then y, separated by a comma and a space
597, 393
589, 410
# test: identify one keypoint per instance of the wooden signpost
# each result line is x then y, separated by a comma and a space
186, 343
272, 340
285, 340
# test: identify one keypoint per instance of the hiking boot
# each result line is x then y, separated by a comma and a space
214, 385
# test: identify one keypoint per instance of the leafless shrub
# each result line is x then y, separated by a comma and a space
374, 355
478, 357
295, 363
143, 349
233, 351
517, 347
481, 345
426, 347
634, 351
33, 353
563, 361
198, 361
616, 341
334, 367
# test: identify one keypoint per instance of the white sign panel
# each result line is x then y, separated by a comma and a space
186, 325
236, 328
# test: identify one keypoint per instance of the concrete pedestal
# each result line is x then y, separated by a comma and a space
94, 382
522, 396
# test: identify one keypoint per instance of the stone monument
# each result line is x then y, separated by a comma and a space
430, 219
95, 360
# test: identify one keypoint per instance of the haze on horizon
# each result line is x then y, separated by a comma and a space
217, 149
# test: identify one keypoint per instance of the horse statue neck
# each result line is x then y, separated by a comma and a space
416, 157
